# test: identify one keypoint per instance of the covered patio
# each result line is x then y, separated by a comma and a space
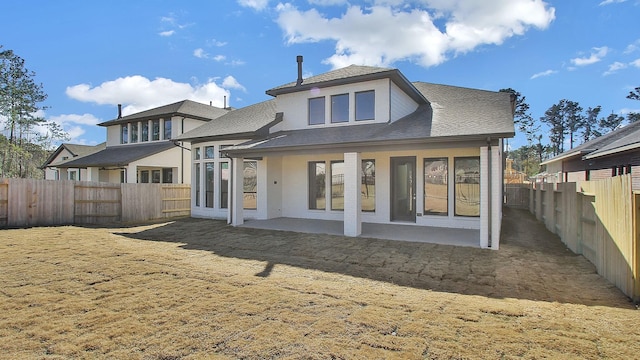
400, 232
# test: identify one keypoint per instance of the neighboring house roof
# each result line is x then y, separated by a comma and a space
602, 145
348, 75
76, 151
120, 155
248, 121
454, 113
187, 108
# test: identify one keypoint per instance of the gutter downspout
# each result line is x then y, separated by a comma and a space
489, 185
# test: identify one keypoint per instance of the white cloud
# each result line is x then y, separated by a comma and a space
231, 83
632, 47
216, 43
596, 55
167, 33
543, 73
84, 119
608, 2
199, 53
254, 4
635, 63
219, 58
328, 2
381, 35
138, 93
613, 68
237, 62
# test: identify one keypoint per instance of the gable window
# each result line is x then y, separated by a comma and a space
317, 170
368, 191
167, 129
436, 198
365, 105
145, 131
316, 111
337, 185
340, 108
467, 189
134, 132
155, 130
250, 188
124, 133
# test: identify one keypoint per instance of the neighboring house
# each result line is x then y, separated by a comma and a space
358, 144
140, 147
615, 153
65, 153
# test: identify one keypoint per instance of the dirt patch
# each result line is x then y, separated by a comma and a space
197, 288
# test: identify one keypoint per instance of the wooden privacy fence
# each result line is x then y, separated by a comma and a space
517, 195
29, 202
598, 219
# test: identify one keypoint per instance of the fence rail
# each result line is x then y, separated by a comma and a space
598, 219
29, 202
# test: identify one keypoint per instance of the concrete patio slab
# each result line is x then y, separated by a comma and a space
401, 232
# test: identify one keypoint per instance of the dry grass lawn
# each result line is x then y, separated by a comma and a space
193, 289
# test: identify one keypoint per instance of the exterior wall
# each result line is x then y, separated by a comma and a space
295, 105
113, 135
401, 103
576, 176
172, 158
294, 186
51, 170
599, 174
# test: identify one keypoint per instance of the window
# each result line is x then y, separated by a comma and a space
155, 130
123, 176
167, 175
124, 133
196, 153
208, 184
317, 185
340, 108
73, 175
145, 131
155, 176
337, 185
250, 188
144, 176
368, 185
197, 187
209, 152
224, 185
436, 198
316, 111
134, 132
467, 189
365, 105
167, 129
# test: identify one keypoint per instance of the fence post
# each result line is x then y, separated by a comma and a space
636, 248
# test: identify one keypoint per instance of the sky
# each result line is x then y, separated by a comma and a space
92, 55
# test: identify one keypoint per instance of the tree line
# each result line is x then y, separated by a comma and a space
568, 122
27, 138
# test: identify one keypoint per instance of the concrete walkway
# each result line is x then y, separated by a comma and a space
402, 232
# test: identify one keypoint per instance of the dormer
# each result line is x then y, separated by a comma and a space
353, 95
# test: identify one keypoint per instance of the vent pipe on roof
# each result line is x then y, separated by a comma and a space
225, 102
299, 60
119, 111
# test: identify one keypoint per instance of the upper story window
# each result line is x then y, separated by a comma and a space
124, 133
145, 131
155, 130
167, 129
340, 108
365, 105
134, 132
316, 111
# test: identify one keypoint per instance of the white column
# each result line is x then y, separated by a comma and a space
496, 197
237, 191
484, 198
352, 196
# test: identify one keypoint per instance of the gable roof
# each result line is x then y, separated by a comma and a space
348, 75
187, 108
120, 155
452, 114
630, 140
76, 150
602, 145
243, 122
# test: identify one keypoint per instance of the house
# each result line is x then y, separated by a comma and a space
358, 144
64, 153
140, 147
614, 153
